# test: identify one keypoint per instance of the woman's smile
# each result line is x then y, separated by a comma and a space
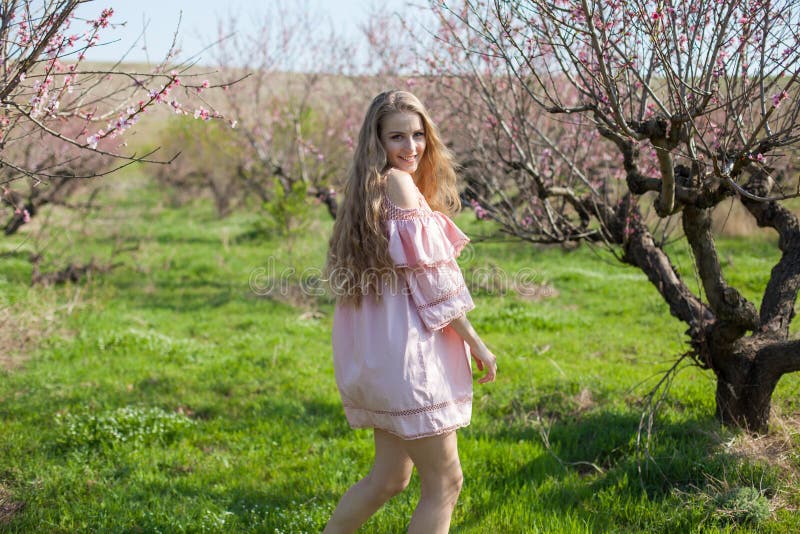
403, 140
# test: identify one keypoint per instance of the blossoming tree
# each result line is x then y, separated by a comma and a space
694, 103
62, 121
294, 129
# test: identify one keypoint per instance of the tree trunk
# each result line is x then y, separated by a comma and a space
745, 384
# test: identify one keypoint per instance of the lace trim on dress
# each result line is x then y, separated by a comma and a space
436, 432
447, 296
415, 411
396, 213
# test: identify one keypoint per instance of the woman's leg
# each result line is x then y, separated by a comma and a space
436, 459
389, 476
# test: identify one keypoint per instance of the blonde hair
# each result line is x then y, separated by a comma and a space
358, 253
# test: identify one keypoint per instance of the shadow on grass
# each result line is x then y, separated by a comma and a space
561, 480
595, 453
312, 417
186, 294
199, 292
308, 433
181, 239
683, 455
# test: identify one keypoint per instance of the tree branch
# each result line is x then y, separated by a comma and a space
666, 200
641, 251
780, 357
780, 295
725, 301
58, 19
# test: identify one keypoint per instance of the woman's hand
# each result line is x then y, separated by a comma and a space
485, 360
483, 356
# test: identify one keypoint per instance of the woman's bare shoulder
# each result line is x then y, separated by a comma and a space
401, 190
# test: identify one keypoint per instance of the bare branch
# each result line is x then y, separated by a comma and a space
780, 295
725, 301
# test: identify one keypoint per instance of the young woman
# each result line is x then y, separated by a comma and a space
401, 338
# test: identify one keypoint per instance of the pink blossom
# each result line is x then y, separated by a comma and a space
779, 97
26, 217
480, 211
92, 141
102, 22
202, 113
628, 230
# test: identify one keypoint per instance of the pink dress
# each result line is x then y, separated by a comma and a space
399, 365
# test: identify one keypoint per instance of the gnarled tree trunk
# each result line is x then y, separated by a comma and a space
748, 350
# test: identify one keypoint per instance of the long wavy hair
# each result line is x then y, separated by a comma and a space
358, 254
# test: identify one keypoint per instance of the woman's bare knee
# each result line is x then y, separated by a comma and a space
392, 469
439, 468
446, 484
387, 485
457, 480
398, 484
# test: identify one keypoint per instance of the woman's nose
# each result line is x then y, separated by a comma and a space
409, 144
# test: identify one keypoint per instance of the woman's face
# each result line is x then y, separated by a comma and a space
403, 140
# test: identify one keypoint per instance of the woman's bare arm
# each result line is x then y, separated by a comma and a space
483, 356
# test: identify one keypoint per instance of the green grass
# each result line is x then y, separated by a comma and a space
172, 398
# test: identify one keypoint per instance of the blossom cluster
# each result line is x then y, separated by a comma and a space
55, 79
49, 91
480, 211
155, 96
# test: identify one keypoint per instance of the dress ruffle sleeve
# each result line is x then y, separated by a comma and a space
424, 249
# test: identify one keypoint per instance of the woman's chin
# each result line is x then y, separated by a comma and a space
410, 168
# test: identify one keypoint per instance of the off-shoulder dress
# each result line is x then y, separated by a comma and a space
399, 365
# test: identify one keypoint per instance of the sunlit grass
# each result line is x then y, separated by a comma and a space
172, 398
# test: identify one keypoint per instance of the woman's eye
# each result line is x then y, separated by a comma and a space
419, 134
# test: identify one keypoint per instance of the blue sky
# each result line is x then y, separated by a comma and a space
198, 22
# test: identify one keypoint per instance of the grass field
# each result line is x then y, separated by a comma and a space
168, 396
